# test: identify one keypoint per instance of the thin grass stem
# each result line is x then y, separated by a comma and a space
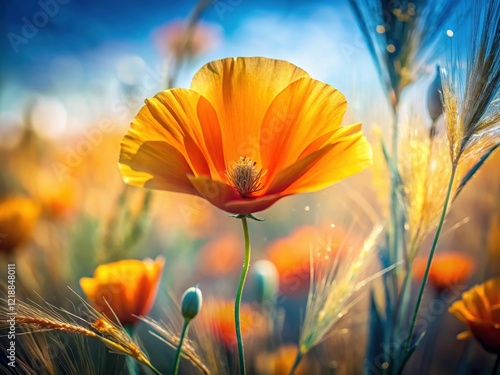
296, 363
406, 349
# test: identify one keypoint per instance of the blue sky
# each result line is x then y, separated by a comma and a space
73, 56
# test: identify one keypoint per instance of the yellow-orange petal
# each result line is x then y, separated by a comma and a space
158, 165
241, 90
303, 112
475, 302
346, 155
480, 314
124, 289
137, 294
89, 287
154, 269
460, 311
288, 176
176, 133
491, 290
188, 115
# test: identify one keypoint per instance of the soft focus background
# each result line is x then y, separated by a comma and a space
74, 74
87, 56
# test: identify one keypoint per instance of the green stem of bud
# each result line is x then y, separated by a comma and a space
179, 348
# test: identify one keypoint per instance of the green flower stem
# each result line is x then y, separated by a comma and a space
427, 269
296, 362
130, 361
237, 302
179, 348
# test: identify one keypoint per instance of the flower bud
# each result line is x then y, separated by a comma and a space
191, 303
265, 281
434, 104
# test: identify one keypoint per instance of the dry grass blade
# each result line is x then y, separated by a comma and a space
166, 335
335, 279
400, 37
39, 318
425, 170
472, 105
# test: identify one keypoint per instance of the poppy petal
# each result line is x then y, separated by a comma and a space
216, 192
248, 206
228, 199
287, 123
241, 90
158, 165
460, 311
326, 166
491, 288
289, 175
89, 286
348, 156
193, 122
474, 300
184, 121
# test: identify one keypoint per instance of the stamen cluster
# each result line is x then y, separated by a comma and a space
244, 176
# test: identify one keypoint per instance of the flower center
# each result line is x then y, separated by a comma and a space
245, 177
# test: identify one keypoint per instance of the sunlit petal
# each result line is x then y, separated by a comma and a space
241, 90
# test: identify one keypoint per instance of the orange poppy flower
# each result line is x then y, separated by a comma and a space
281, 361
18, 217
219, 317
128, 287
249, 132
292, 255
447, 269
58, 199
220, 257
479, 308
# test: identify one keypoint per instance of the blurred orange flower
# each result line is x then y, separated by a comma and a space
58, 198
249, 132
479, 308
221, 256
281, 361
194, 216
18, 217
292, 256
447, 269
219, 317
128, 287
